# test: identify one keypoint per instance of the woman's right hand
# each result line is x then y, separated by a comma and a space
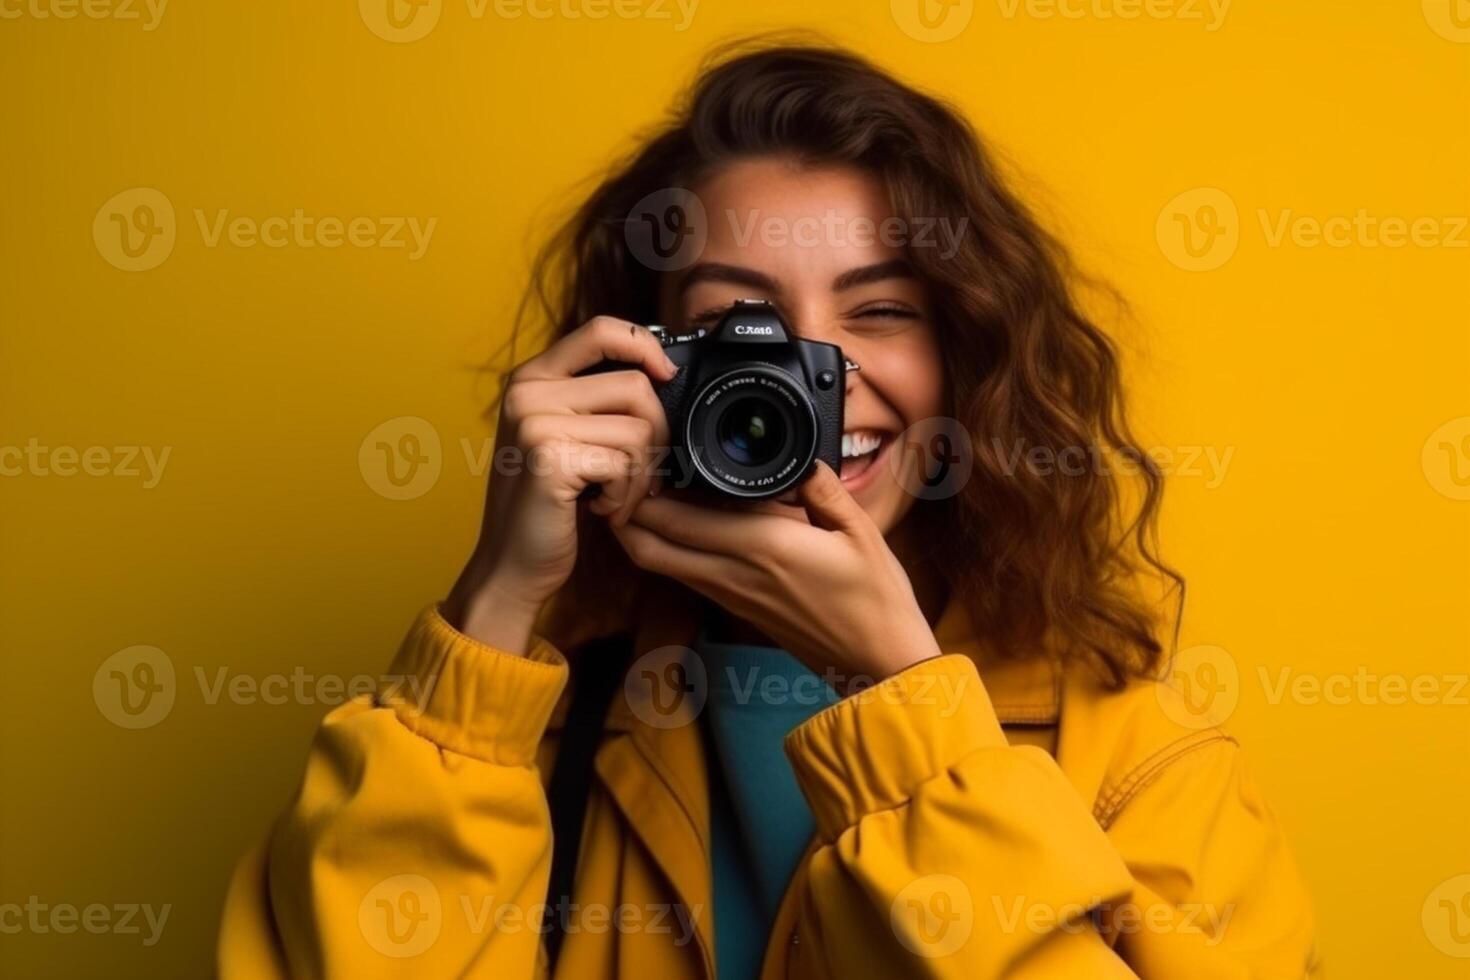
569, 431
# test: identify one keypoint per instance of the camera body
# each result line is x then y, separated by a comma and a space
751, 407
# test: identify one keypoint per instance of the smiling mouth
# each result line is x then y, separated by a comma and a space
860, 450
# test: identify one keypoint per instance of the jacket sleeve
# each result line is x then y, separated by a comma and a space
945, 852
420, 838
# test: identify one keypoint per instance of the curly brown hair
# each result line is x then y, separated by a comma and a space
1045, 562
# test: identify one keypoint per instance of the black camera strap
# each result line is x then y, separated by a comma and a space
597, 673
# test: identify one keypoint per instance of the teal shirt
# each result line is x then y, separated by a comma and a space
760, 824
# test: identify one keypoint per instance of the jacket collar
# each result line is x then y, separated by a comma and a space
1024, 691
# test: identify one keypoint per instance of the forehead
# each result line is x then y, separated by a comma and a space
794, 221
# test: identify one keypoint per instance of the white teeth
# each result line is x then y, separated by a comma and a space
859, 443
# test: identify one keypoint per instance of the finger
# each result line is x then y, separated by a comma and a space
603, 338
625, 393
613, 393
700, 570
581, 464
828, 504
549, 438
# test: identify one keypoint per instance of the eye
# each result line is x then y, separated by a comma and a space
887, 312
708, 317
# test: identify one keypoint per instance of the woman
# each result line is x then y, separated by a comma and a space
1013, 796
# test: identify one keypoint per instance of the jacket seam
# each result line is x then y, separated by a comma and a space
1111, 804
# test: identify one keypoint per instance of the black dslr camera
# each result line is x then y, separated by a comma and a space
751, 407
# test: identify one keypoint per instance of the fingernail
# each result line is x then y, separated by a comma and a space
669, 362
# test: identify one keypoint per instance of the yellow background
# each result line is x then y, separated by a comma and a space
1334, 542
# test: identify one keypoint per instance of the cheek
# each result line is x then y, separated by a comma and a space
910, 378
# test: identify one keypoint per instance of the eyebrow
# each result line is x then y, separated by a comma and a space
719, 272
742, 276
866, 274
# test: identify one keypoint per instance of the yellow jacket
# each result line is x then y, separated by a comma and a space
1033, 825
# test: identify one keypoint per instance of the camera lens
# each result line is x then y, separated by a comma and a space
752, 431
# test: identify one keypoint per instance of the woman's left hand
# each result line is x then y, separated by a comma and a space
819, 579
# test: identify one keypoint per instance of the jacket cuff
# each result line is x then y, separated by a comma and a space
474, 699
872, 750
